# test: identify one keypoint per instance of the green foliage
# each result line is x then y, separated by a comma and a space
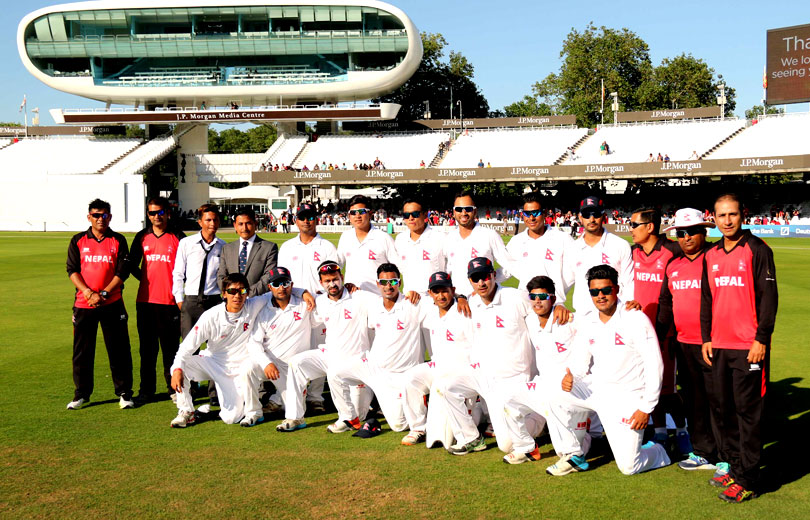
135, 132
16, 125
232, 140
756, 110
528, 106
684, 82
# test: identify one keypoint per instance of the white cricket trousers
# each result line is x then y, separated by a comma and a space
230, 387
457, 388
526, 407
315, 387
315, 365
385, 384
615, 411
432, 419
254, 377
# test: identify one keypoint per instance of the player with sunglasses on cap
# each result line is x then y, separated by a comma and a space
615, 370
364, 247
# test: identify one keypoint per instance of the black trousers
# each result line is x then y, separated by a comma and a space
158, 330
738, 406
193, 307
696, 386
113, 320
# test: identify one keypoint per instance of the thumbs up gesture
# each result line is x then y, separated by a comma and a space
568, 380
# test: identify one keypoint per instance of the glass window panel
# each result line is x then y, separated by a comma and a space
356, 45
42, 30
71, 15
354, 14
87, 16
338, 14
307, 14
291, 12
57, 27
372, 10
276, 12
387, 45
102, 16
321, 13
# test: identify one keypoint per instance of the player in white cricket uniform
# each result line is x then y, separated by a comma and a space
420, 250
540, 250
283, 329
395, 349
626, 370
344, 315
302, 255
552, 344
450, 334
471, 240
364, 248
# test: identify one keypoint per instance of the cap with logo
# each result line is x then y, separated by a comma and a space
591, 203
479, 265
279, 273
439, 279
306, 209
688, 217
370, 429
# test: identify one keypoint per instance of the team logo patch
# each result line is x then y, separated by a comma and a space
296, 316
582, 425
741, 266
475, 365
605, 259
591, 341
659, 264
525, 254
431, 364
316, 256
477, 325
474, 253
450, 336
531, 386
619, 339
425, 255
560, 346
499, 322
146, 248
400, 325
715, 268
273, 326
549, 255
245, 326
85, 250
372, 255
295, 258
674, 274
347, 315
638, 265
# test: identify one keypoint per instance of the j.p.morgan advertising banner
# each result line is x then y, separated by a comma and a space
772, 231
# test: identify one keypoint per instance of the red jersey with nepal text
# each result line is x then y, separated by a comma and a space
680, 297
98, 261
151, 261
738, 294
648, 272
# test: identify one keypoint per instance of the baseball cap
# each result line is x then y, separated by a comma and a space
688, 217
439, 279
591, 202
370, 429
306, 208
479, 265
279, 273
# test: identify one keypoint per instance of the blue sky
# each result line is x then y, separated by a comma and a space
512, 44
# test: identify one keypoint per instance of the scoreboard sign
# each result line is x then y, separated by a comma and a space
787, 78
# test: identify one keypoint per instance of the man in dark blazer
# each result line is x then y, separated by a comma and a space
250, 255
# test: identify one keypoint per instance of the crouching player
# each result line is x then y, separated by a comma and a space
552, 344
621, 348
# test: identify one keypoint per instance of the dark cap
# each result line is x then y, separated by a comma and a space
329, 266
279, 273
306, 208
479, 265
591, 202
370, 429
439, 279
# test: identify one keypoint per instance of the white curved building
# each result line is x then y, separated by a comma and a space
190, 52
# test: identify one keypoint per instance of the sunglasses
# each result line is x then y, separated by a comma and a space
690, 231
604, 290
463, 209
533, 213
235, 291
103, 216
278, 283
309, 218
411, 214
590, 213
540, 296
157, 213
329, 268
479, 277
361, 211
393, 282
634, 225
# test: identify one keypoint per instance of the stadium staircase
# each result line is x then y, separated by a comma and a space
147, 154
5, 143
576, 145
437, 159
285, 150
721, 143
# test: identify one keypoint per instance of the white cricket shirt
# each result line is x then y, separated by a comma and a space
544, 256
361, 259
450, 335
611, 250
552, 347
303, 260
346, 322
280, 334
397, 335
420, 258
481, 241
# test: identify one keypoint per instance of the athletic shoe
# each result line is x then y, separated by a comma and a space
184, 419
683, 443
722, 469
735, 494
344, 426
77, 403
316, 407
696, 462
271, 407
290, 425
721, 481
564, 466
489, 432
520, 458
253, 420
413, 437
125, 403
142, 399
474, 445
204, 409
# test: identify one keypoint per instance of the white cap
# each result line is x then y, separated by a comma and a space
688, 217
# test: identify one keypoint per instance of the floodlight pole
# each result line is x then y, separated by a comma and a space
721, 100
615, 107
460, 115
427, 109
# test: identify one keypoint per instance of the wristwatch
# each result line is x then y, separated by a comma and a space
104, 294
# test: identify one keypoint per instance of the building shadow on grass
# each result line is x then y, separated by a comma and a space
785, 439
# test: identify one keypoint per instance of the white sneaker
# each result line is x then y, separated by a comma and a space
413, 437
204, 409
78, 403
344, 426
184, 419
290, 425
125, 403
252, 420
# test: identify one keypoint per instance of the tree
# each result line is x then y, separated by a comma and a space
232, 140
684, 82
528, 106
437, 80
756, 111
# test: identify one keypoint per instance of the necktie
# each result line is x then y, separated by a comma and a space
243, 257
204, 272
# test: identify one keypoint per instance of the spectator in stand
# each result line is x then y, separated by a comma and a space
480, 163
666, 157
489, 165
650, 158
660, 158
422, 163
694, 156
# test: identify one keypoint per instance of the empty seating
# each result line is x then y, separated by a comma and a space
399, 151
235, 167
770, 136
63, 155
283, 151
141, 158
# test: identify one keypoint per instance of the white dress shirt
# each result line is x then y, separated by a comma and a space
188, 267
250, 242
420, 258
303, 260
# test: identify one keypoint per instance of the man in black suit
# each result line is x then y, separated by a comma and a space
250, 255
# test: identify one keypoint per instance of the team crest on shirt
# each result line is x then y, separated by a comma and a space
605, 259
525, 254
400, 325
403, 257
425, 255
474, 253
347, 314
715, 268
477, 324
531, 385
449, 336
245, 326
659, 264
146, 248
316, 256
638, 265
741, 266
560, 347
431, 364
348, 253
549, 255
619, 339
372, 255
296, 316
85, 250
591, 341
499, 322
674, 274
273, 326
295, 258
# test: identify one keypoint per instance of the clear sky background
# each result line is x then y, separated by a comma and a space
512, 43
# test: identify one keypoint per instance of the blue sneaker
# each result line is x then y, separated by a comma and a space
566, 466
696, 462
721, 469
253, 420
684, 443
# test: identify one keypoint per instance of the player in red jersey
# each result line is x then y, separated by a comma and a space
96, 264
737, 316
151, 261
651, 253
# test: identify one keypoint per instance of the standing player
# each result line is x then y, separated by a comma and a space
151, 261
364, 248
651, 253
470, 240
620, 350
420, 249
540, 250
96, 264
679, 304
737, 315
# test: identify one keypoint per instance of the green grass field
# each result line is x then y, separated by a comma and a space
104, 462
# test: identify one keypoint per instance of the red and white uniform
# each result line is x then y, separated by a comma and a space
420, 258
611, 250
361, 259
544, 256
98, 261
680, 298
481, 241
152, 261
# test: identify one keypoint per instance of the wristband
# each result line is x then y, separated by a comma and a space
460, 296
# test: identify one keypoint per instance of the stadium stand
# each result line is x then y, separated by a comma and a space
228, 165
511, 147
635, 142
783, 134
284, 150
142, 157
5, 141
395, 151
64, 155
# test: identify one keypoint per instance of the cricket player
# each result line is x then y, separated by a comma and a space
364, 247
620, 350
420, 250
395, 349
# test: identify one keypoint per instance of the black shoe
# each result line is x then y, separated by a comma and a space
315, 407
142, 399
